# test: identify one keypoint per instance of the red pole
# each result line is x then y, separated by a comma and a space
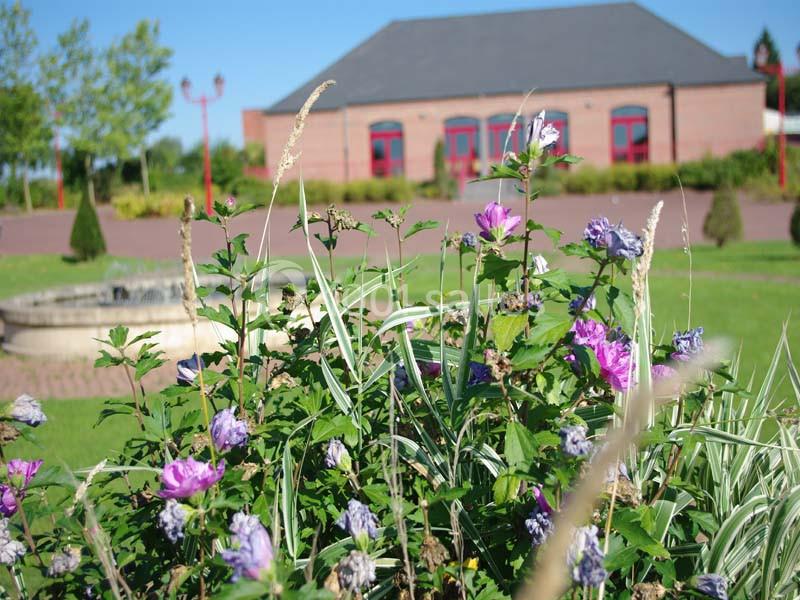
59, 177
206, 158
782, 133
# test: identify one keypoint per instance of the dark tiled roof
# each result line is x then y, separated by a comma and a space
562, 48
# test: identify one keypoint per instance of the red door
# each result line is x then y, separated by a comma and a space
387, 153
629, 139
461, 148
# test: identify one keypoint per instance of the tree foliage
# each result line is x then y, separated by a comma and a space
723, 222
86, 239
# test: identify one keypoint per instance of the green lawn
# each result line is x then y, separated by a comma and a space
33, 272
743, 292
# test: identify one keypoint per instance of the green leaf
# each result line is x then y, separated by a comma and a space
288, 505
118, 335
587, 360
621, 305
627, 523
506, 328
505, 488
497, 269
549, 328
420, 226
520, 445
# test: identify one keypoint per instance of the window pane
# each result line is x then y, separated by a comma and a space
378, 150
386, 126
396, 148
639, 133
494, 143
620, 136
462, 144
629, 111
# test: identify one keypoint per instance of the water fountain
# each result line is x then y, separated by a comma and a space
64, 323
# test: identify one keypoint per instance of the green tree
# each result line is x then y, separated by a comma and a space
86, 239
774, 56
723, 223
227, 164
165, 154
24, 134
77, 85
444, 182
140, 95
23, 123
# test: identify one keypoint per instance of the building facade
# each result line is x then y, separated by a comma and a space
658, 96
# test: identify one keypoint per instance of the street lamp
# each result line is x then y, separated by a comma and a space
762, 56
203, 101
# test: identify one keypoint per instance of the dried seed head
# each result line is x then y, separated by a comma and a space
189, 292
639, 275
433, 553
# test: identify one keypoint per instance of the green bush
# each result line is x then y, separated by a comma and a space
723, 222
623, 177
656, 178
252, 191
355, 192
227, 165
588, 180
86, 239
794, 224
398, 189
131, 203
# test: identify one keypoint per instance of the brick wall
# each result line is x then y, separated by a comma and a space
335, 144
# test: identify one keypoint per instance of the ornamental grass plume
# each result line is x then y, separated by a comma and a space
189, 291
639, 273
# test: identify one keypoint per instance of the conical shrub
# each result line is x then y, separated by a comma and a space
86, 239
724, 220
794, 224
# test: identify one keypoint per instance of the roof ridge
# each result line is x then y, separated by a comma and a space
518, 11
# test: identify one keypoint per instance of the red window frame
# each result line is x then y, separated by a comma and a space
631, 152
388, 166
462, 166
497, 130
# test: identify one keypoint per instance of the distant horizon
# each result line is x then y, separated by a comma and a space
262, 63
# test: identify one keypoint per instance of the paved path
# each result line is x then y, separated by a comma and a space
158, 237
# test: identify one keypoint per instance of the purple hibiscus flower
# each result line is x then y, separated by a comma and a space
227, 431
185, 478
495, 222
251, 553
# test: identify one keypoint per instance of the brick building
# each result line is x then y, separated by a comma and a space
620, 83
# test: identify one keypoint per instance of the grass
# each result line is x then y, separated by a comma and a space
744, 292
21, 274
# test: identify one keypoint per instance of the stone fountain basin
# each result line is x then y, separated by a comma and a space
64, 323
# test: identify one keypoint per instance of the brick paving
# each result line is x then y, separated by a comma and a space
48, 232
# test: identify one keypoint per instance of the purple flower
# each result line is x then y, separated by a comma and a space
429, 369
171, 520
8, 503
356, 571
539, 523
185, 478
469, 240
616, 366
337, 456
478, 373
585, 557
577, 301
687, 343
573, 441
20, 472
623, 243
230, 202
539, 265
251, 553
64, 562
495, 223
589, 333
10, 550
540, 135
227, 431
618, 335
359, 522
401, 380
661, 372
188, 369
595, 232
27, 410
712, 585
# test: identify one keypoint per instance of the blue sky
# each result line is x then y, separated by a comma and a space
266, 48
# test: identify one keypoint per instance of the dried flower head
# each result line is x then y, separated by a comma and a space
433, 553
189, 291
64, 562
